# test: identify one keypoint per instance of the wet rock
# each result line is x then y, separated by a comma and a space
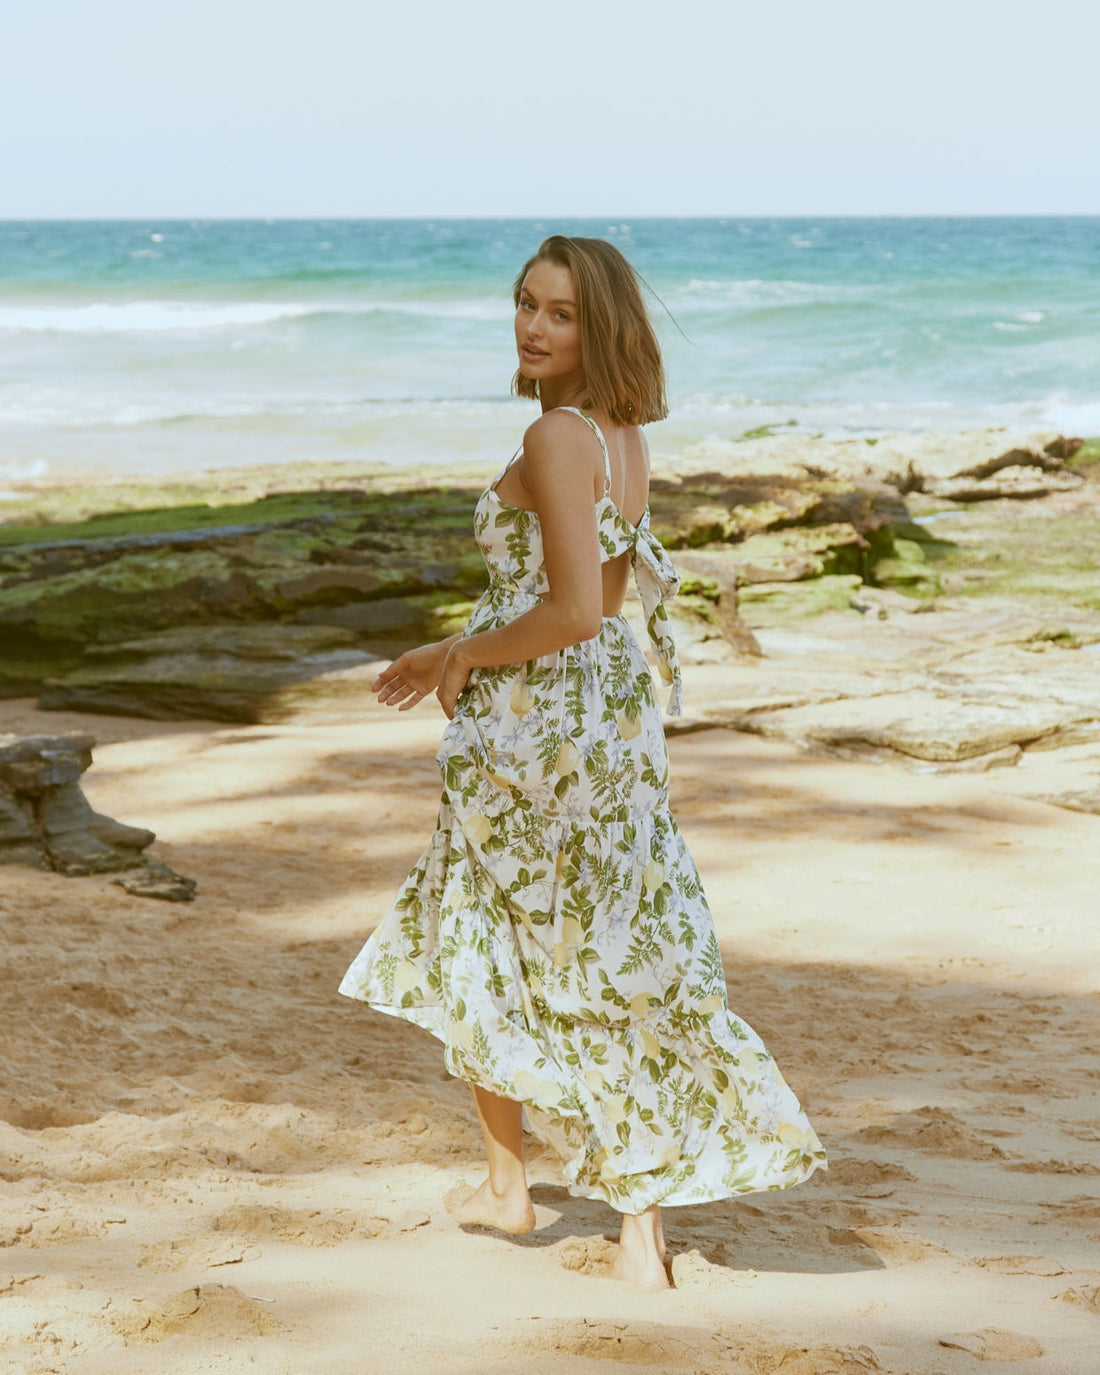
45, 819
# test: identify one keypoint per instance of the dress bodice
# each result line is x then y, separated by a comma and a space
510, 540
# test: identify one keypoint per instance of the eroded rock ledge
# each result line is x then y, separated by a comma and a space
242, 612
47, 822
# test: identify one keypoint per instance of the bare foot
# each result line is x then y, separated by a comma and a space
645, 1272
511, 1213
641, 1258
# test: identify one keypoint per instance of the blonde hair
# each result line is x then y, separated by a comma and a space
623, 373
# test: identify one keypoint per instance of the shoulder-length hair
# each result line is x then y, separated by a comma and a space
623, 373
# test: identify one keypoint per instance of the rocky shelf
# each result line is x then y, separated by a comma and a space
244, 611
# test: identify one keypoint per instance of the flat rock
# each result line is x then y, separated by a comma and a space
1073, 799
1039, 670
919, 723
767, 602
905, 462
222, 672
1016, 481
921, 460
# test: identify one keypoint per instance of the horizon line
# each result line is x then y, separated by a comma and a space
621, 216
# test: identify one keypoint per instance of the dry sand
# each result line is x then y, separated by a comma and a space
214, 1163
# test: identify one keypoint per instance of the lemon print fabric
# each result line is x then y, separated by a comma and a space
555, 935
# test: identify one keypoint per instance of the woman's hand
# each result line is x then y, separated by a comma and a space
409, 679
453, 679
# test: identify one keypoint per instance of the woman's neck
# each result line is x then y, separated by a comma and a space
561, 391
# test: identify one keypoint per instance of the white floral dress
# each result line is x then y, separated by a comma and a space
555, 935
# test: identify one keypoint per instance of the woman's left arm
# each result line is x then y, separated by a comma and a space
558, 474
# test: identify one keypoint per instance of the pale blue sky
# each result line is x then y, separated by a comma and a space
684, 107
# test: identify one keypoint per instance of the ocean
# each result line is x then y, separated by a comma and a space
166, 346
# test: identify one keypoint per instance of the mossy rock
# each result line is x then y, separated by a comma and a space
765, 604
800, 552
441, 509
907, 569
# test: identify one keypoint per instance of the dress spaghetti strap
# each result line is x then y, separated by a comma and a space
603, 443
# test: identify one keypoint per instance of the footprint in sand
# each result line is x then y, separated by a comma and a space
585, 1255
312, 1226
195, 1252
868, 1178
898, 1245
1087, 1297
819, 1360
207, 1310
937, 1130
993, 1344
1082, 1212
669, 1348
692, 1270
688, 1351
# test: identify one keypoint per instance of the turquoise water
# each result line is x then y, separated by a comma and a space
157, 346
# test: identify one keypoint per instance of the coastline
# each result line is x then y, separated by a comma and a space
213, 1161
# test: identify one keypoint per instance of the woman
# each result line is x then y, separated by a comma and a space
555, 935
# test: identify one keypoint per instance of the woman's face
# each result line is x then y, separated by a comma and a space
548, 330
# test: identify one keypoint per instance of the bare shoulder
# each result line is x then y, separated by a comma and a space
563, 443
560, 429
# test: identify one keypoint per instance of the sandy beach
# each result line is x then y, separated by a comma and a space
213, 1163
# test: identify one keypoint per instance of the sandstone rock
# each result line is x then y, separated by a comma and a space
980, 763
230, 613
1016, 673
799, 552
916, 462
919, 723
906, 463
80, 840
1074, 799
1015, 481
45, 819
223, 673
769, 602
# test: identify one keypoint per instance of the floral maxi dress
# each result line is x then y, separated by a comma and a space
555, 935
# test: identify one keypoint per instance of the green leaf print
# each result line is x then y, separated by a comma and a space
555, 934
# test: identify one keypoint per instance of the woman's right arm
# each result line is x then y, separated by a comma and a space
413, 676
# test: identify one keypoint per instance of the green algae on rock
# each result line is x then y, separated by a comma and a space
227, 608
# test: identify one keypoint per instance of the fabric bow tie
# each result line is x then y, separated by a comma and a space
657, 579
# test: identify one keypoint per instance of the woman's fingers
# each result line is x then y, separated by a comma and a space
399, 692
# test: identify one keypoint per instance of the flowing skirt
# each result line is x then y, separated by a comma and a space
556, 938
